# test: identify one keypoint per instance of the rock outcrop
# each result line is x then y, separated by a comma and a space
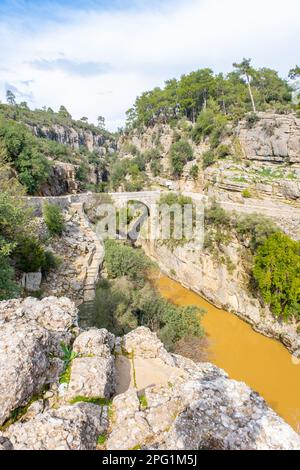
273, 138
93, 140
31, 332
188, 406
61, 180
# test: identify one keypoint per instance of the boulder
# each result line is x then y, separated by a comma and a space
32, 281
68, 428
31, 333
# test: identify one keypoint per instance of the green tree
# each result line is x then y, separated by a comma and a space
294, 73
53, 218
277, 273
245, 70
64, 113
180, 153
10, 98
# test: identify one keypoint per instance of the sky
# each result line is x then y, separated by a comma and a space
95, 57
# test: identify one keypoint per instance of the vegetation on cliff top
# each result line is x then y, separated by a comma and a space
243, 90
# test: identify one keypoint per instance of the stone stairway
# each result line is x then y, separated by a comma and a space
94, 258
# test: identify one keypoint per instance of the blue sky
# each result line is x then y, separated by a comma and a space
95, 57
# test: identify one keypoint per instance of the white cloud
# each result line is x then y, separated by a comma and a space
140, 49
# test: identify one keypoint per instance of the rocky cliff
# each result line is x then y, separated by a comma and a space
117, 393
94, 140
263, 158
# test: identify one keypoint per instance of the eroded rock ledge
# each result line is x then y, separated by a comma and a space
121, 393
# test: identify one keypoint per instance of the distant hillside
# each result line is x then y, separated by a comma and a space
37, 144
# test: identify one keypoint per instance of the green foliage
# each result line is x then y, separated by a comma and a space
8, 287
180, 153
217, 216
15, 222
101, 439
121, 260
188, 97
194, 172
256, 228
30, 255
53, 218
24, 152
277, 273
252, 119
208, 159
246, 193
129, 301
100, 401
68, 357
223, 151
143, 401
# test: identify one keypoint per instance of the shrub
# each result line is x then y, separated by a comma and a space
30, 256
246, 193
194, 172
223, 151
217, 216
121, 260
277, 273
255, 227
51, 262
208, 159
180, 153
53, 218
156, 167
8, 287
251, 120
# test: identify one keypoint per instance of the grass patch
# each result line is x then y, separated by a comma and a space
143, 401
101, 439
95, 400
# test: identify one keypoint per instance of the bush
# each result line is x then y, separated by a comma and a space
30, 256
251, 120
217, 216
180, 153
208, 159
223, 151
53, 218
121, 260
156, 167
52, 262
256, 228
120, 307
8, 287
246, 193
277, 273
194, 172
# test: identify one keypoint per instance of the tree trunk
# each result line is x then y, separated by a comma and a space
251, 95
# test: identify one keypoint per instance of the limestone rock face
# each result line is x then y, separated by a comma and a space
141, 342
30, 335
224, 414
94, 342
74, 427
274, 138
75, 137
93, 371
62, 180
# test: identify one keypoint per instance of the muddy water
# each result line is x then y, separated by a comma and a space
264, 364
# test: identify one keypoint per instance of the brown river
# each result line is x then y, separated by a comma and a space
263, 363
